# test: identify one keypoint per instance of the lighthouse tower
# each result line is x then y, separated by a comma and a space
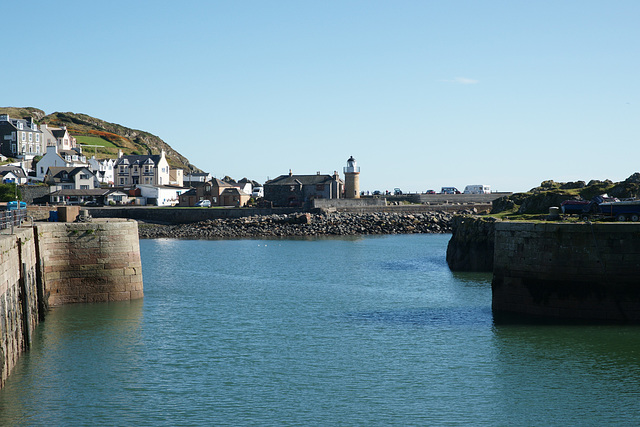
352, 180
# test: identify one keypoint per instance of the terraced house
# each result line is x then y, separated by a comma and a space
20, 138
151, 169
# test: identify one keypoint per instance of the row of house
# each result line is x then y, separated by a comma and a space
143, 179
23, 138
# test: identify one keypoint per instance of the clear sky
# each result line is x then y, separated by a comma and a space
423, 94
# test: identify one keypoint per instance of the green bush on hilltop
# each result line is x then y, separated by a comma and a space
538, 200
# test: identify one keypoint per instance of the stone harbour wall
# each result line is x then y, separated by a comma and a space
471, 247
585, 271
19, 311
91, 262
57, 263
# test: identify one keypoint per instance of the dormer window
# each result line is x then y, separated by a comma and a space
20, 125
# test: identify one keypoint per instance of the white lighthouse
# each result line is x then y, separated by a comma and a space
352, 179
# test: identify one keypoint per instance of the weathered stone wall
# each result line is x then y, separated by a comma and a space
18, 297
346, 203
471, 247
183, 215
39, 213
35, 194
90, 262
568, 270
56, 263
449, 198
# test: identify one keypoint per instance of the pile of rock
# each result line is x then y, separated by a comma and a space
304, 224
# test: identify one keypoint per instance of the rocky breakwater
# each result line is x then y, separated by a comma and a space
471, 247
304, 224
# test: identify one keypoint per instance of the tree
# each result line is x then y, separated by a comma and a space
8, 192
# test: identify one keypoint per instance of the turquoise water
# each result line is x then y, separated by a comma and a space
346, 331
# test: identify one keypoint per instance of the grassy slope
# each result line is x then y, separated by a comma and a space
112, 137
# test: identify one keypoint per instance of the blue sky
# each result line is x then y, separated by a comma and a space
423, 94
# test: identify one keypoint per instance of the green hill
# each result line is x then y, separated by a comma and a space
103, 138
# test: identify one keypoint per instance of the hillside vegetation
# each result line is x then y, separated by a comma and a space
550, 193
107, 137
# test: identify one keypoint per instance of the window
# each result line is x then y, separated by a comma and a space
41, 169
24, 136
37, 148
84, 176
37, 137
121, 181
30, 137
20, 125
84, 187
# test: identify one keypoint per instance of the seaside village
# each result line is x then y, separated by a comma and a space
52, 165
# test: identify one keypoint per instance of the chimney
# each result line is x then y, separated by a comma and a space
119, 153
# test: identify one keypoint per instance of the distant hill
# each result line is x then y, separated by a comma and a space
102, 138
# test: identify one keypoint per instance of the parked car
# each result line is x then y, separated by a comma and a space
450, 190
397, 192
204, 204
431, 191
377, 193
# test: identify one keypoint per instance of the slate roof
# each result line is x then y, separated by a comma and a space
18, 172
301, 180
96, 192
234, 191
220, 183
139, 159
56, 173
58, 133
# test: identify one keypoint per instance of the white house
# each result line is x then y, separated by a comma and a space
103, 169
160, 195
56, 158
13, 175
176, 177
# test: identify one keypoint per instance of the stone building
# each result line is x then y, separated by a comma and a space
299, 190
20, 138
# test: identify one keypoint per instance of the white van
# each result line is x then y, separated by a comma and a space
477, 189
257, 192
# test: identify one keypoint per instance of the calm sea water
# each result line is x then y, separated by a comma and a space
357, 331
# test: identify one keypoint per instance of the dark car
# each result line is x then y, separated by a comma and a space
431, 191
